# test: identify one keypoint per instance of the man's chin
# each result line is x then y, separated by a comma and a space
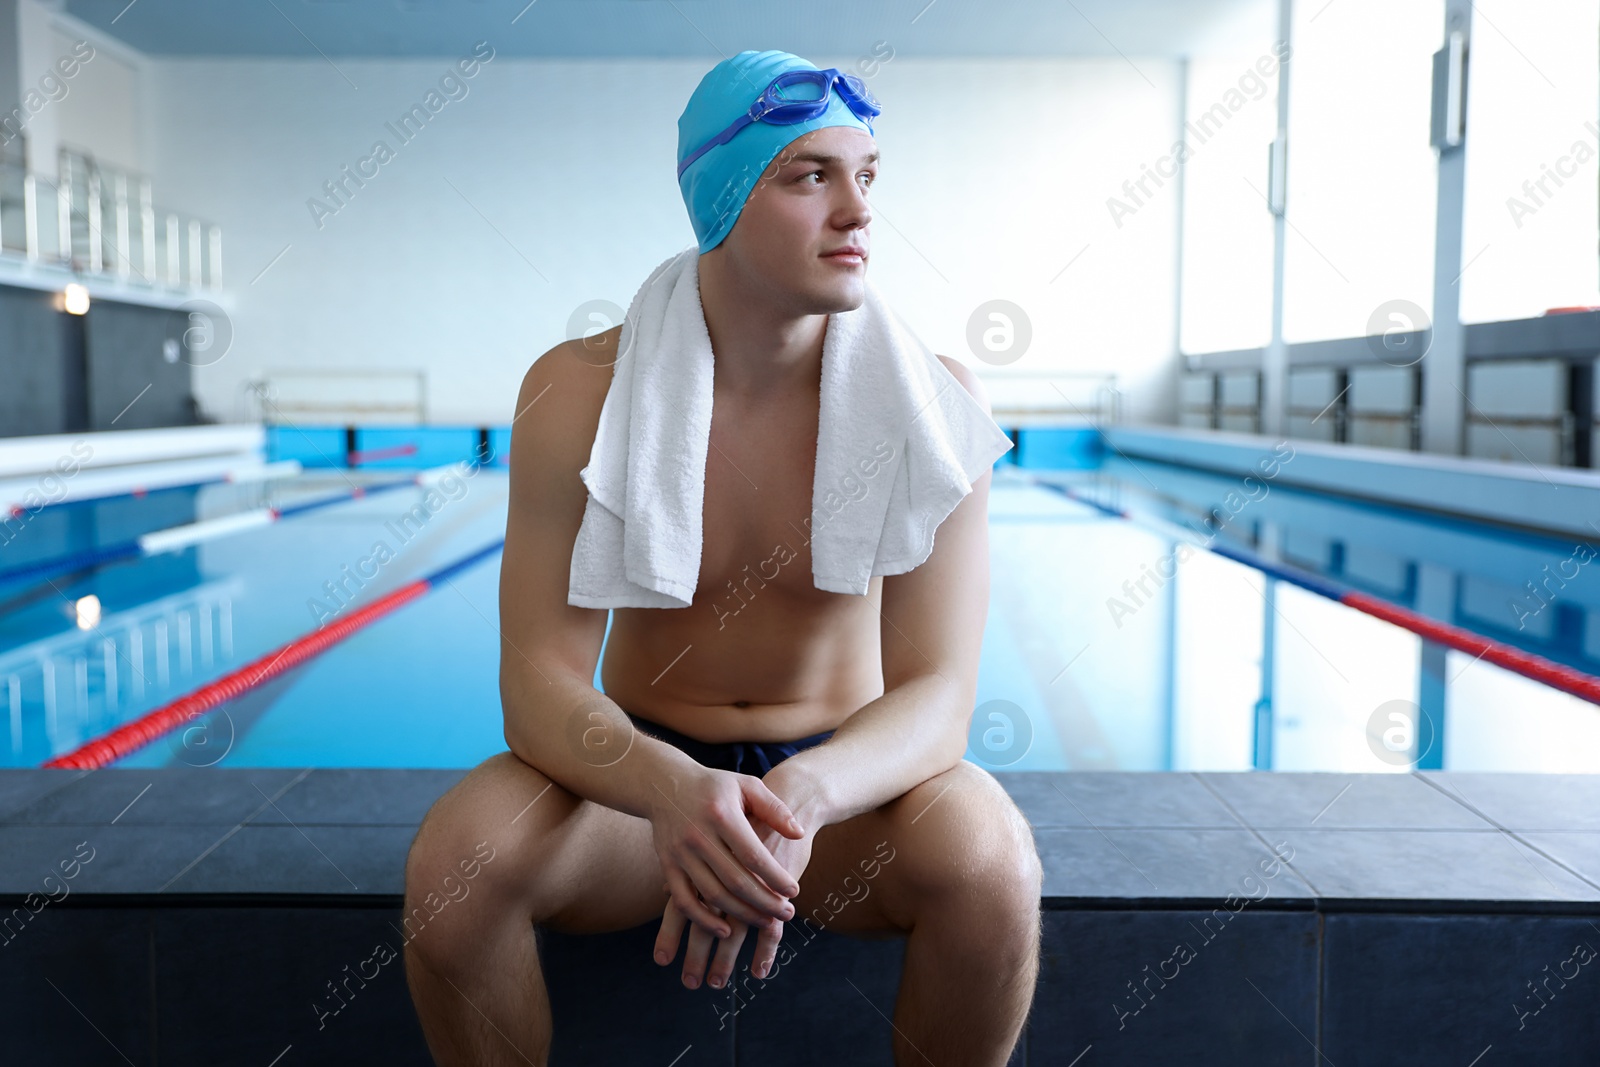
843, 295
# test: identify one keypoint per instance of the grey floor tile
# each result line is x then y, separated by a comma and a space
361, 797
1159, 988
1459, 990
1528, 801
22, 786
1334, 801
1115, 798
1138, 864
209, 795
109, 859
310, 859
1577, 849
1484, 866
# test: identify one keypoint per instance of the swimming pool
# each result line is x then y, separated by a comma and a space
1106, 646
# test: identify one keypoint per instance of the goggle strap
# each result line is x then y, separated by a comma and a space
722, 138
859, 103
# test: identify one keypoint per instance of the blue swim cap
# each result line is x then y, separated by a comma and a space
716, 185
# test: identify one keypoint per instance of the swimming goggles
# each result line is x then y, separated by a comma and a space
795, 96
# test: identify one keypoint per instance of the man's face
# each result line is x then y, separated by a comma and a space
810, 202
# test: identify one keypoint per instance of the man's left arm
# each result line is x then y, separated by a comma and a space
932, 633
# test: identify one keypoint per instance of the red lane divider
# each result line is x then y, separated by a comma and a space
371, 454
1555, 675
1528, 664
134, 735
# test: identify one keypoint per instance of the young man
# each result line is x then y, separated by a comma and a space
611, 810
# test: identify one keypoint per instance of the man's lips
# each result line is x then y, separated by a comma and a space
859, 253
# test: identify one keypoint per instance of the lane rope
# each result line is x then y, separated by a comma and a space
260, 472
134, 735
191, 533
372, 455
1528, 664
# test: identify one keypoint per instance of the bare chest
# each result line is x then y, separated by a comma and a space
760, 468
761, 652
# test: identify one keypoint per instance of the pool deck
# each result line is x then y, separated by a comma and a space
236, 915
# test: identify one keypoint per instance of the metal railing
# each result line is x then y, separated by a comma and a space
1028, 397
77, 684
100, 220
335, 396
1566, 436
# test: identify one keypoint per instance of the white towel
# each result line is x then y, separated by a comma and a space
899, 442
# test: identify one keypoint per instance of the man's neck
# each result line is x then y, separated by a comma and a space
761, 349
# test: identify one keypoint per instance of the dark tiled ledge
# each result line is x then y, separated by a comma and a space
1491, 842
244, 891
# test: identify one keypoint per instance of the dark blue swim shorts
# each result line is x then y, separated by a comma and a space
744, 757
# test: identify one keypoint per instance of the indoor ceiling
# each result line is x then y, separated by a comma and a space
700, 28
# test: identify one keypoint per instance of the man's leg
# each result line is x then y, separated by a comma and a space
471, 959
963, 884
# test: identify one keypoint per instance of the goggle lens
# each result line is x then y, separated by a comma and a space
802, 90
859, 87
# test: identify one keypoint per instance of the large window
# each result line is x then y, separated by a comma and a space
1337, 675
1362, 177
1227, 228
1216, 663
1533, 156
1500, 721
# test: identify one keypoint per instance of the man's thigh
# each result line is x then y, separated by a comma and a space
875, 873
565, 862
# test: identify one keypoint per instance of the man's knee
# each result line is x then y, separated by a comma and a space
468, 865
979, 847
993, 882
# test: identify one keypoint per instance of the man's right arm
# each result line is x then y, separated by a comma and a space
559, 724
555, 720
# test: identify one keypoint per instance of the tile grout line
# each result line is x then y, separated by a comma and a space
1460, 802
1322, 975
1317, 894
1509, 833
5, 817
194, 862
1316, 906
272, 801
155, 1004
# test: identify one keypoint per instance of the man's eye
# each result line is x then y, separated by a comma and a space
811, 174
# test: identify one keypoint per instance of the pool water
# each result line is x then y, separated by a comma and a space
1105, 647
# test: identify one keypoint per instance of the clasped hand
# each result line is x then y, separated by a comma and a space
732, 853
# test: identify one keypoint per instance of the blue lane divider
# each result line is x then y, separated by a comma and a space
175, 537
1530, 665
444, 574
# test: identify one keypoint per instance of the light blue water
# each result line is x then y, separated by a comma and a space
1215, 668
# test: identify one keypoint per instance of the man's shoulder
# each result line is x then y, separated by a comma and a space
581, 363
558, 405
575, 375
969, 380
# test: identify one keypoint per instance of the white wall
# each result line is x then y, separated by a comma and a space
101, 109
995, 177
97, 108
